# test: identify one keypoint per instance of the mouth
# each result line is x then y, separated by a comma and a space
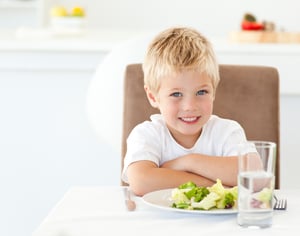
190, 120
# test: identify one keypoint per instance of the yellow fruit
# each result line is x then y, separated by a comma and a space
58, 11
77, 11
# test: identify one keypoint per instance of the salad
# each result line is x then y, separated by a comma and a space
189, 196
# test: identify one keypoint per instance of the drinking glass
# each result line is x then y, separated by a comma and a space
256, 181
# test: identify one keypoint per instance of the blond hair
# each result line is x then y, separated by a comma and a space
175, 50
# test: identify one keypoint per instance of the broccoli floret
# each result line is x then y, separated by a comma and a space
208, 202
189, 184
217, 188
181, 205
228, 196
201, 193
193, 191
197, 193
179, 196
227, 201
234, 192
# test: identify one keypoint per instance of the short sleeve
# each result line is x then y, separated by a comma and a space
143, 143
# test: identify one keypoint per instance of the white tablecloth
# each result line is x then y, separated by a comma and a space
91, 211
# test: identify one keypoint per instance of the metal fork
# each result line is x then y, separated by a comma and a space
280, 204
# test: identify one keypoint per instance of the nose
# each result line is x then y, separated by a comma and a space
189, 103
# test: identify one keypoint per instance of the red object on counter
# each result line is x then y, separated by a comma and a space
249, 25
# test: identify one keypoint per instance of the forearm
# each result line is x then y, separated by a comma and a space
210, 167
144, 178
224, 168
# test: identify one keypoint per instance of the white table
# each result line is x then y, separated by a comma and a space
89, 211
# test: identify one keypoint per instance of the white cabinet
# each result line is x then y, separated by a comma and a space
19, 13
18, 4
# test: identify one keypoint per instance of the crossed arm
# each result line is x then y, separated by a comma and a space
146, 176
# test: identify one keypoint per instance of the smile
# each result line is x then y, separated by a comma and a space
190, 119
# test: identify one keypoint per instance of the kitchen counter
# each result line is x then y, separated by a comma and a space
26, 39
56, 49
99, 40
94, 45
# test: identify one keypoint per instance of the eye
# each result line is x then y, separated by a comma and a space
176, 94
202, 92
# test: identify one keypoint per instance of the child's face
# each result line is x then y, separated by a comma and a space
186, 102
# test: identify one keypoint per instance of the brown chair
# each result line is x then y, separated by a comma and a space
247, 94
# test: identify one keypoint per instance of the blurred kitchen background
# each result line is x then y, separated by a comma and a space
47, 143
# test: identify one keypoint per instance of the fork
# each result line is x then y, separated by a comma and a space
130, 204
280, 204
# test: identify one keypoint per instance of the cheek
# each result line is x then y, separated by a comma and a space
207, 105
168, 108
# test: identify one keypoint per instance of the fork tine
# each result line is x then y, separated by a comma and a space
284, 204
281, 204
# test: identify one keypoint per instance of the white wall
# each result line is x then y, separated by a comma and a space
46, 146
213, 17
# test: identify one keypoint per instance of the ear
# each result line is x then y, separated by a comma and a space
151, 97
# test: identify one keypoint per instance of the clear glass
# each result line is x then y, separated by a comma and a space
256, 182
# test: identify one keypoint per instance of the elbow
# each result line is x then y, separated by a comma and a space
138, 190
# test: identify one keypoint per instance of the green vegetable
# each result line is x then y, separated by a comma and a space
181, 205
228, 196
187, 193
197, 193
190, 196
217, 188
249, 17
264, 195
188, 185
227, 201
179, 197
208, 202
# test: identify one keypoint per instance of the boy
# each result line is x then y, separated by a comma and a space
185, 142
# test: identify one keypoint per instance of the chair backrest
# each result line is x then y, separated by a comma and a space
247, 94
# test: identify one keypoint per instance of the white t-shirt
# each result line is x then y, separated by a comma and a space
152, 141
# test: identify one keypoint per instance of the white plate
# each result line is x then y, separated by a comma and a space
162, 199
